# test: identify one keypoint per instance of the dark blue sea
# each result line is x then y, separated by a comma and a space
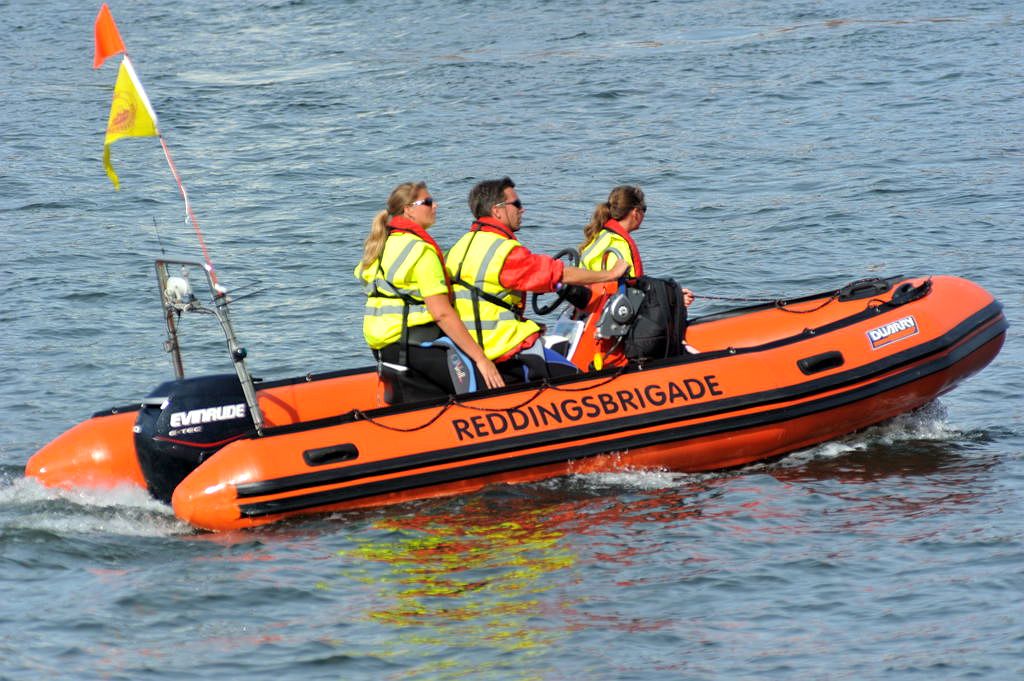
785, 148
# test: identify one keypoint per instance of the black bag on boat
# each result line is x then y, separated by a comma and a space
660, 324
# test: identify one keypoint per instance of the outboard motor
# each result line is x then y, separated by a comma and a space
182, 423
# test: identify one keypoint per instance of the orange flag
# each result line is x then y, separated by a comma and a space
108, 39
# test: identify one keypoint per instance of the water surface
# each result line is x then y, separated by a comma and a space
785, 148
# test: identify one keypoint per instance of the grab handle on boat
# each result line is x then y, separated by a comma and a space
822, 362
864, 288
332, 454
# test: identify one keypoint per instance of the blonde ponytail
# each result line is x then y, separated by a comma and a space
400, 197
374, 245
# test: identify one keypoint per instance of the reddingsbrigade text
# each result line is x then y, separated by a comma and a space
571, 409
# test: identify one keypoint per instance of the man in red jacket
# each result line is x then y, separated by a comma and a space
491, 272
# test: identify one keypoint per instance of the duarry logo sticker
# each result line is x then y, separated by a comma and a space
892, 332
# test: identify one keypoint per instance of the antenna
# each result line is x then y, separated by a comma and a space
157, 232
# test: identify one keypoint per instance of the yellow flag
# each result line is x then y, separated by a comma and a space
130, 114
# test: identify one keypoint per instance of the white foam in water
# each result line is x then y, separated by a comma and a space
122, 525
640, 480
122, 510
927, 423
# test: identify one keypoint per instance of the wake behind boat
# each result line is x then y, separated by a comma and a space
769, 379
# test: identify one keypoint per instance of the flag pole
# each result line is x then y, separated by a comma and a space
132, 115
190, 216
108, 43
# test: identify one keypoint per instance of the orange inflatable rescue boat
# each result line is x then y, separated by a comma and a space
228, 452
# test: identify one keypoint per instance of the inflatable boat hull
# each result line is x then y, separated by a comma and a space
769, 380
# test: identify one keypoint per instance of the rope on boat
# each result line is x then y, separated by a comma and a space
736, 299
779, 303
359, 414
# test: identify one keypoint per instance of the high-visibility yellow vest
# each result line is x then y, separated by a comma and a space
610, 243
491, 313
392, 292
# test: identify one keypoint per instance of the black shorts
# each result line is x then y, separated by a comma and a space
429, 362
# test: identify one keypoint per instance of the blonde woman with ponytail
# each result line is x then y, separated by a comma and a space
409, 319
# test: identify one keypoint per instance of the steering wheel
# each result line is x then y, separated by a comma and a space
574, 259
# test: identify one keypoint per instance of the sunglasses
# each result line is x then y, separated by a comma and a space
429, 201
517, 203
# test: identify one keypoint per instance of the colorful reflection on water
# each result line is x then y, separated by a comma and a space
471, 580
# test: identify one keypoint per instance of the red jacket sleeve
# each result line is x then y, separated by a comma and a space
526, 271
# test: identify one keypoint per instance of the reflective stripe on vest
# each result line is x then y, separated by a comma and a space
477, 260
389, 288
606, 241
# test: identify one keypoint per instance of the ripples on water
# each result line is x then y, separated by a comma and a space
785, 147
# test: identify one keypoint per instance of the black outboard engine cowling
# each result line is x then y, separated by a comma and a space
182, 423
